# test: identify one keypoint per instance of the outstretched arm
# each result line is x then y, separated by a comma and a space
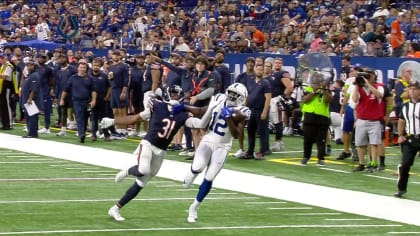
196, 111
124, 120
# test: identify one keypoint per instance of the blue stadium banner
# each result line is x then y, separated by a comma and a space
386, 67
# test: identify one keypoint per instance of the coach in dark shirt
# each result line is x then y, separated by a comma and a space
259, 97
83, 94
103, 90
118, 74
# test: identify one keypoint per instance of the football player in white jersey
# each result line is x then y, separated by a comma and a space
165, 118
216, 143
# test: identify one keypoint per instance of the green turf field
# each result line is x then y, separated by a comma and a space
43, 195
286, 165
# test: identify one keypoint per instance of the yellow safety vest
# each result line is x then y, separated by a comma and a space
14, 77
317, 105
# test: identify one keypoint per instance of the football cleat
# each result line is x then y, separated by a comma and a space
114, 212
192, 214
121, 176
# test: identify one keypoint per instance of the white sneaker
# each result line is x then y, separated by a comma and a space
277, 146
62, 133
287, 131
121, 176
71, 125
192, 214
44, 131
142, 134
240, 153
132, 133
114, 212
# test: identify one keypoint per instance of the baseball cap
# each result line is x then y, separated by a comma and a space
3, 55
250, 59
414, 84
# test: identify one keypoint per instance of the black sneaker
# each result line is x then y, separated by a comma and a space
399, 193
360, 167
381, 167
304, 162
344, 155
372, 169
248, 156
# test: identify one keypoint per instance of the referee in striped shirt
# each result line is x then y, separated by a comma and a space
408, 136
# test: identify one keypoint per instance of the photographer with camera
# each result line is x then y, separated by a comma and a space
368, 97
316, 117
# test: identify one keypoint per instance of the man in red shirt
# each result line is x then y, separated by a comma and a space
368, 97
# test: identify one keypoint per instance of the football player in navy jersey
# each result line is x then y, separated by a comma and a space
216, 143
165, 116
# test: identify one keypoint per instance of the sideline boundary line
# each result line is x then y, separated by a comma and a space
343, 200
193, 228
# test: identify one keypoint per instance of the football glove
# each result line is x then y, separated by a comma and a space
106, 123
227, 112
178, 108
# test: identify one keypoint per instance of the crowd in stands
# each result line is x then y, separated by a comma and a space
337, 27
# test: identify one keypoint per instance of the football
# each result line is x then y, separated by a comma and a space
238, 116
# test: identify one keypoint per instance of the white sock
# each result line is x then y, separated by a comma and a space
195, 204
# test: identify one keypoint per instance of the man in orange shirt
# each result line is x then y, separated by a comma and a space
257, 35
396, 37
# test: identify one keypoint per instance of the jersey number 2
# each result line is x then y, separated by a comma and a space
218, 124
167, 128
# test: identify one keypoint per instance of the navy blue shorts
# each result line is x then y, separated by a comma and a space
348, 122
115, 99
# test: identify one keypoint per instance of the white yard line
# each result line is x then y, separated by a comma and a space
335, 170
136, 199
194, 228
20, 155
261, 203
55, 179
26, 162
382, 177
346, 219
349, 201
82, 168
36, 159
290, 208
404, 232
317, 214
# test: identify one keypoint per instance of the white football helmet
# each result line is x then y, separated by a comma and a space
173, 95
236, 94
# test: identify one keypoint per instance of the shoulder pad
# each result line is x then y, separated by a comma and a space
245, 110
219, 97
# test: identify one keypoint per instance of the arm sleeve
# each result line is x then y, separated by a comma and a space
207, 93
173, 68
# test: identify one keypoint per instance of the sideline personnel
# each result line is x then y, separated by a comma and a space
408, 136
